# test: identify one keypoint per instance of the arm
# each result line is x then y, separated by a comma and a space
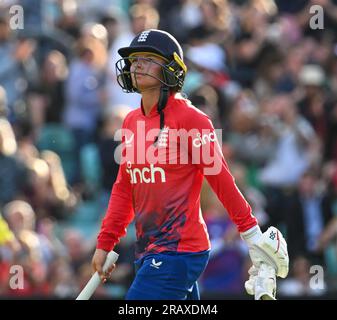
203, 146
119, 213
268, 251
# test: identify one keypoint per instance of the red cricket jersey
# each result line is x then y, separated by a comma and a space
162, 192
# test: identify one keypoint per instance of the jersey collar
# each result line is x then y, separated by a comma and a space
153, 112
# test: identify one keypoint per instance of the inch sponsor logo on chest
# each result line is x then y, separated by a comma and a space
150, 174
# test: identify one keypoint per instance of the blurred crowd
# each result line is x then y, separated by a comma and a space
256, 67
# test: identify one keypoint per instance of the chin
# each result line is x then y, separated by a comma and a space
143, 86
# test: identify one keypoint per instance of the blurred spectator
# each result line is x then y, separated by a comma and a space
47, 190
293, 64
78, 249
26, 141
57, 179
249, 43
180, 17
91, 10
47, 229
12, 170
96, 31
313, 104
84, 92
271, 73
142, 17
20, 216
17, 69
47, 103
83, 89
9, 246
252, 135
295, 149
111, 22
309, 213
63, 279
69, 20
215, 19
35, 267
34, 253
209, 59
36, 15
244, 59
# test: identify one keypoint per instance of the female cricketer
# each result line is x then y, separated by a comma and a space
169, 146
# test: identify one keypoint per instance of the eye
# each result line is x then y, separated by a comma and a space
132, 60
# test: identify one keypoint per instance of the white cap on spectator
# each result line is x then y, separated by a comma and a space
312, 75
209, 56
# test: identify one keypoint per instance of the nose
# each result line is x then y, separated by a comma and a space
138, 64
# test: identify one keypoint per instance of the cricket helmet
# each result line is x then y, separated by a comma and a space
159, 43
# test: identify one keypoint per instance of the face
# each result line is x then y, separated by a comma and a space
146, 71
307, 185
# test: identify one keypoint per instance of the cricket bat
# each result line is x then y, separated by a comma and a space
95, 280
265, 283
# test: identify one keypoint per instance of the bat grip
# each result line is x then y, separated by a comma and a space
110, 260
94, 281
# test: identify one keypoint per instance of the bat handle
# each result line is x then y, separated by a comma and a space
94, 281
265, 284
110, 260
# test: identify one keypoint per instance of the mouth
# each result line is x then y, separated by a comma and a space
137, 79
139, 75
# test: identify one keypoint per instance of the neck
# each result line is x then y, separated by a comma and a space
149, 99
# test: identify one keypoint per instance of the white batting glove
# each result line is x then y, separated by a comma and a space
250, 283
269, 255
269, 248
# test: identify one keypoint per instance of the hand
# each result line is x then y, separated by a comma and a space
98, 262
268, 247
269, 255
